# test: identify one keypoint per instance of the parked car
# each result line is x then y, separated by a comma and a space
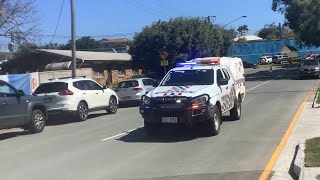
247, 65
309, 68
20, 110
133, 89
77, 96
265, 60
280, 59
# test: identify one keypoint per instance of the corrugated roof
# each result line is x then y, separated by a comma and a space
91, 56
249, 38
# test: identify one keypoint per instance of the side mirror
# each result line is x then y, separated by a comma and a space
105, 87
21, 93
223, 82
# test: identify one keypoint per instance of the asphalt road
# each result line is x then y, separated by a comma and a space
116, 147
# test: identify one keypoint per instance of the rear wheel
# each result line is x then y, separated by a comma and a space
82, 111
113, 105
213, 124
235, 112
38, 121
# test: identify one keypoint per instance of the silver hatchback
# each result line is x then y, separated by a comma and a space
131, 90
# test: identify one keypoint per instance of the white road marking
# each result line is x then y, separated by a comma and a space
121, 134
261, 84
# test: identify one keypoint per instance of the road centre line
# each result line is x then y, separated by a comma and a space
261, 84
267, 170
123, 133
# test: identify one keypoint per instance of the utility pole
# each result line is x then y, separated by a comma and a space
73, 40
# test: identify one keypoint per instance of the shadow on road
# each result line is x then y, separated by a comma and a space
61, 120
8, 135
168, 134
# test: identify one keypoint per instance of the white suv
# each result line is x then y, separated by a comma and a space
77, 96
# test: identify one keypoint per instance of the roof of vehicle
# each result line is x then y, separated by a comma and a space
67, 80
135, 79
197, 67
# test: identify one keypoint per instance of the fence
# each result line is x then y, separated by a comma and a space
252, 51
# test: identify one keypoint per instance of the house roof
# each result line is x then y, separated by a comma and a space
291, 48
90, 55
117, 40
249, 38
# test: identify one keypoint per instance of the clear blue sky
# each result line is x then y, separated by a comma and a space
111, 17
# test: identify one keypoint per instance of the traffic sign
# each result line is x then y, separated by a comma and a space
164, 55
164, 62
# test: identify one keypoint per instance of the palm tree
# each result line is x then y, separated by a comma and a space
242, 30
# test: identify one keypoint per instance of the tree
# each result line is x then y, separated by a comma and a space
25, 49
302, 17
84, 43
182, 38
242, 30
18, 19
273, 32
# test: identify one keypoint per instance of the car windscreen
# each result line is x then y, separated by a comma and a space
310, 63
51, 87
128, 84
189, 77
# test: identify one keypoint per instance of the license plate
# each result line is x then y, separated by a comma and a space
126, 98
169, 120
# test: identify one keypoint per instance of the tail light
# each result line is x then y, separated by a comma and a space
195, 106
65, 92
137, 89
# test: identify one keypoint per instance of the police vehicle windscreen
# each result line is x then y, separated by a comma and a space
189, 77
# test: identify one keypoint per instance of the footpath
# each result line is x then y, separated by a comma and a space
290, 163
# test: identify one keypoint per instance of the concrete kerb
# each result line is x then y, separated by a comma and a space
298, 166
314, 103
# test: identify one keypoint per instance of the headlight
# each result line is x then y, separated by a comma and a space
199, 101
145, 100
317, 68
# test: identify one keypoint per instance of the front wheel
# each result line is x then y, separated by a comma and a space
38, 121
213, 124
113, 105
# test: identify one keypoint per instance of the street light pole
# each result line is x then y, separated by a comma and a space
73, 40
234, 21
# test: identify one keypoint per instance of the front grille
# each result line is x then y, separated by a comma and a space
309, 70
171, 102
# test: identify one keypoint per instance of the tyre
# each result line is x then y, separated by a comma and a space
113, 105
235, 112
212, 126
82, 111
151, 129
38, 121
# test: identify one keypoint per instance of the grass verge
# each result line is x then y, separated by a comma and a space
318, 98
312, 152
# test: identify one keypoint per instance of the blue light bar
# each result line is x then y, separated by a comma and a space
187, 64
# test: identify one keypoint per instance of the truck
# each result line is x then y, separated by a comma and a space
18, 110
196, 92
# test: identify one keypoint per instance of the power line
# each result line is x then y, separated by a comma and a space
55, 30
163, 4
148, 9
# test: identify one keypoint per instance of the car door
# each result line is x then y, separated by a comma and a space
230, 90
86, 93
99, 97
13, 107
224, 91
